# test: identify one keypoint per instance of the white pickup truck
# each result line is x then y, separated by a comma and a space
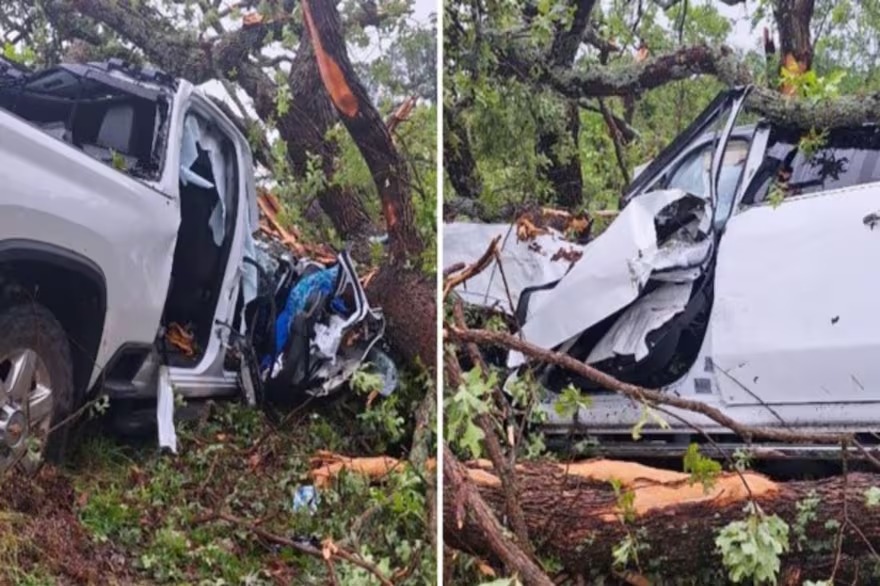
128, 263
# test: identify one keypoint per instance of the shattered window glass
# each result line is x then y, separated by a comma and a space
842, 158
694, 173
121, 125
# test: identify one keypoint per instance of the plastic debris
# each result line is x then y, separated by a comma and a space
165, 411
386, 368
306, 497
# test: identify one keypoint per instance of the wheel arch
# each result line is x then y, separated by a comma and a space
70, 285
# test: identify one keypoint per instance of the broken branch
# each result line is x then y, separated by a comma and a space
642, 394
469, 272
334, 552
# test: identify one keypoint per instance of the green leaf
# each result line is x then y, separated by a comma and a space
570, 401
872, 497
702, 469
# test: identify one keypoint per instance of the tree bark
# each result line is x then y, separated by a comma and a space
465, 510
366, 127
576, 514
458, 157
409, 301
405, 294
793, 23
563, 170
304, 129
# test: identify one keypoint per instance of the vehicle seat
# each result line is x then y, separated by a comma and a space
114, 135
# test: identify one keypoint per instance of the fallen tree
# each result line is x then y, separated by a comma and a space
578, 515
603, 517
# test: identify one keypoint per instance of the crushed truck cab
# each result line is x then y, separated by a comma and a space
735, 275
128, 214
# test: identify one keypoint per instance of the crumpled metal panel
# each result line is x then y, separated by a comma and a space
526, 264
610, 275
627, 337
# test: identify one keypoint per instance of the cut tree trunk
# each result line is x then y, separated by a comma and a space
574, 514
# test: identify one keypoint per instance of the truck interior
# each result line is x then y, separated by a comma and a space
109, 119
209, 179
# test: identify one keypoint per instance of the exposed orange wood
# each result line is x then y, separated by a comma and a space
402, 113
653, 488
331, 74
251, 19
390, 213
325, 466
286, 238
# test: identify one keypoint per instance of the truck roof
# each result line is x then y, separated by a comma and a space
11, 71
74, 79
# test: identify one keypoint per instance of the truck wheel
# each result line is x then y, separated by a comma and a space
36, 387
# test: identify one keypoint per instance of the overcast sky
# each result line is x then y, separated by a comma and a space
422, 9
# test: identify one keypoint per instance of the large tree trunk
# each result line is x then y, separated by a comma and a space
575, 514
793, 22
564, 172
458, 157
406, 295
304, 129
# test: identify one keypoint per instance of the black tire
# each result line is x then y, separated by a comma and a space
34, 327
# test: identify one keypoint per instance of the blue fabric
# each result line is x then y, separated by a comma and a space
323, 281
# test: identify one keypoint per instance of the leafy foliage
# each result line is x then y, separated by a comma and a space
570, 401
872, 497
464, 406
751, 548
151, 509
702, 469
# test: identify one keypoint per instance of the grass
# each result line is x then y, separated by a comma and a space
126, 514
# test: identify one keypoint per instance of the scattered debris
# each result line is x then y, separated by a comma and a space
387, 370
527, 265
571, 255
574, 226
306, 498
165, 412
181, 338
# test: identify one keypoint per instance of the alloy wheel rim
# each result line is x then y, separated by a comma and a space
26, 402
